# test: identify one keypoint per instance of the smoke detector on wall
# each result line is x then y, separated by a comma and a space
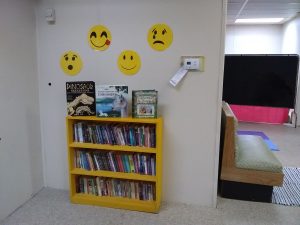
50, 15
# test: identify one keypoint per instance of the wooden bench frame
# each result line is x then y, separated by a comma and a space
229, 172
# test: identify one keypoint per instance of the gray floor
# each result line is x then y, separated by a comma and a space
52, 207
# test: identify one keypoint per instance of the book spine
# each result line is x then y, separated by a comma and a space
127, 163
145, 164
119, 160
119, 135
124, 163
90, 134
135, 161
113, 138
75, 132
107, 162
98, 186
152, 137
80, 132
131, 164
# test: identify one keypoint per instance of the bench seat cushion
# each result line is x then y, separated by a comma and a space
253, 153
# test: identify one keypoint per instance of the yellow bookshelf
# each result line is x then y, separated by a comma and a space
111, 201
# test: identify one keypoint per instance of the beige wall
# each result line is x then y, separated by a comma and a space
21, 171
191, 112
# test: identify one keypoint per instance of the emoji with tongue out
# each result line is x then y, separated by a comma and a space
99, 37
71, 63
160, 37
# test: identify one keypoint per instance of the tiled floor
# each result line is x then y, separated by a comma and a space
52, 207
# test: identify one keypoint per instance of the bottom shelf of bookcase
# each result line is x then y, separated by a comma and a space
116, 202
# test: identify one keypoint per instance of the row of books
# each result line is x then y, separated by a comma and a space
84, 98
116, 162
115, 134
101, 186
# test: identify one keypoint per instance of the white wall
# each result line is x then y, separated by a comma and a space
291, 45
253, 39
191, 112
291, 37
21, 173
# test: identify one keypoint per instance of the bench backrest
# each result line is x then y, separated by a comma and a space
229, 126
228, 148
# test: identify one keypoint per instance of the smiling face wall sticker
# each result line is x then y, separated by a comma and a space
160, 37
99, 37
71, 63
129, 62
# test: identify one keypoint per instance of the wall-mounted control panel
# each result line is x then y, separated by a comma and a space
193, 62
188, 63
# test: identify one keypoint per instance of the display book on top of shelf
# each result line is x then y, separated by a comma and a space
115, 162
144, 103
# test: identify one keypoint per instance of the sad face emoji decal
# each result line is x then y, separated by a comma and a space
71, 63
160, 37
129, 62
99, 37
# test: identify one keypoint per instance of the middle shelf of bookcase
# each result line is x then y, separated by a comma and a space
124, 148
111, 174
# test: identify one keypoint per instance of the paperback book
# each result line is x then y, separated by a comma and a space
144, 104
80, 98
112, 100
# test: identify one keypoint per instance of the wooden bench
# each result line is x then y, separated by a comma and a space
241, 180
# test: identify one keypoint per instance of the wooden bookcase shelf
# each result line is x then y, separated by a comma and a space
114, 201
100, 173
113, 147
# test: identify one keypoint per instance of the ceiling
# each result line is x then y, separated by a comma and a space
243, 9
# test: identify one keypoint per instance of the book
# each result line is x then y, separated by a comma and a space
144, 104
112, 100
80, 98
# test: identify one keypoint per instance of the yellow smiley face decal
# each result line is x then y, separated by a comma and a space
99, 37
71, 63
160, 37
129, 62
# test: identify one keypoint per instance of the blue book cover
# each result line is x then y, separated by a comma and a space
112, 101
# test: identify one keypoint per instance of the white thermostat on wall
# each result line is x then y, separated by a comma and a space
193, 62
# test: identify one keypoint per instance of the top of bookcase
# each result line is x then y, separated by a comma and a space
116, 119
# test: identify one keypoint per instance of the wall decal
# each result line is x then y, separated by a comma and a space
160, 37
129, 62
99, 37
71, 63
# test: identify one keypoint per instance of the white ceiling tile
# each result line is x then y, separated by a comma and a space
262, 8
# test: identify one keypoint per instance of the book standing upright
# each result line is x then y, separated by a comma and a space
144, 104
80, 98
112, 100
